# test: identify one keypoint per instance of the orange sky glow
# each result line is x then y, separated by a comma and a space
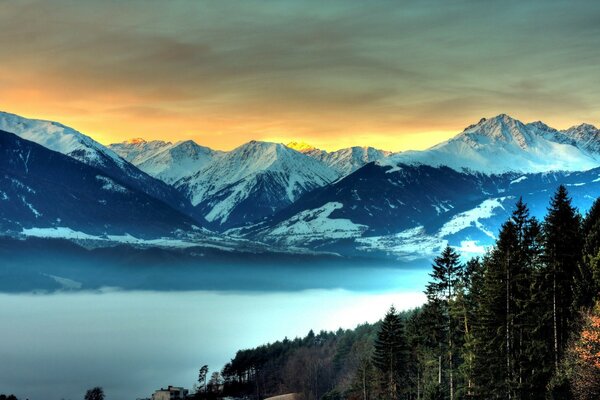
335, 75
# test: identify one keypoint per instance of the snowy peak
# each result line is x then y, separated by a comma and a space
68, 141
173, 162
257, 156
585, 136
44, 189
301, 146
253, 181
500, 129
343, 161
138, 150
60, 138
346, 161
135, 141
583, 128
503, 144
583, 132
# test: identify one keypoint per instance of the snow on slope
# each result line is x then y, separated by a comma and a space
310, 225
343, 161
138, 150
280, 173
585, 137
68, 141
473, 218
416, 243
178, 160
166, 161
502, 144
317, 225
60, 138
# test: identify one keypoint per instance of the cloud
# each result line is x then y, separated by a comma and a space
306, 68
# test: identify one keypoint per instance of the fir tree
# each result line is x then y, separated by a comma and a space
587, 279
389, 355
562, 247
504, 323
441, 290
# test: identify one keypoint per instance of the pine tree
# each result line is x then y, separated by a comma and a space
441, 290
587, 279
389, 355
94, 394
562, 251
504, 322
464, 310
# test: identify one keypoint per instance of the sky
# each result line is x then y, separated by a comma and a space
391, 74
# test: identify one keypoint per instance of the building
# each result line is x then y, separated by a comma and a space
170, 393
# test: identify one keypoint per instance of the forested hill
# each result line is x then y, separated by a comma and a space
523, 322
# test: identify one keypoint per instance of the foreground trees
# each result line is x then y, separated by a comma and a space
96, 393
389, 355
515, 324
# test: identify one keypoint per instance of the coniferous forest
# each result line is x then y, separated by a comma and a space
522, 322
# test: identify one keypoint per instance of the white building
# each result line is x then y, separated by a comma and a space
170, 393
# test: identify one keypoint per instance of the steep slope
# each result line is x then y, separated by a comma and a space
178, 160
503, 144
72, 143
584, 136
252, 182
41, 188
413, 211
343, 161
138, 150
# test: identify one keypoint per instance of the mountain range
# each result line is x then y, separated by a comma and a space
356, 202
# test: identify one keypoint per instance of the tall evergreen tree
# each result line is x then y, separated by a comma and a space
441, 290
389, 355
562, 251
504, 323
587, 279
464, 309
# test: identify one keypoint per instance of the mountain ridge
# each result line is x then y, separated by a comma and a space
72, 143
503, 144
271, 172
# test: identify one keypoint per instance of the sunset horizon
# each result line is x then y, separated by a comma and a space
333, 75
410, 140
300, 200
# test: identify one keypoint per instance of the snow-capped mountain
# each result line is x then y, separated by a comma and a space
178, 160
584, 136
137, 150
406, 205
413, 211
503, 144
343, 161
252, 182
44, 189
68, 141
61, 138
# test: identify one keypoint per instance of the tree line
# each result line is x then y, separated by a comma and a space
521, 322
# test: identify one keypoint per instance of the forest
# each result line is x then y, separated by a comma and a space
521, 322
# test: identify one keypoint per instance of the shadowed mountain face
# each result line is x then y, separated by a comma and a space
407, 205
252, 182
68, 141
413, 211
41, 188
